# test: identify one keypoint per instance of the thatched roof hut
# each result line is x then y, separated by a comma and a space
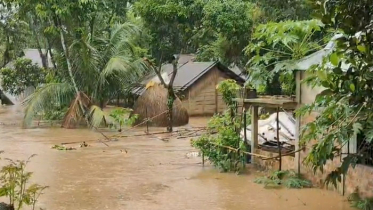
153, 102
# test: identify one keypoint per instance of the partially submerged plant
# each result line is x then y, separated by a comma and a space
360, 203
222, 134
15, 185
286, 178
121, 118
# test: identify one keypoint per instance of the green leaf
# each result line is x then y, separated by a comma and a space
334, 59
357, 127
361, 48
322, 75
352, 87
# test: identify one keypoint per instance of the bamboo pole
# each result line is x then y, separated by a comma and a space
278, 139
147, 120
287, 154
238, 150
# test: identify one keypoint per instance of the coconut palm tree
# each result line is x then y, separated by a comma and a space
98, 68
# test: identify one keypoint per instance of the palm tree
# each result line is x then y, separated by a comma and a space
98, 69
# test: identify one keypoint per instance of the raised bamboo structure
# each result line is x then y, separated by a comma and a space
276, 103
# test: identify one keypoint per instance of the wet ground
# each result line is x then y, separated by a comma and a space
151, 175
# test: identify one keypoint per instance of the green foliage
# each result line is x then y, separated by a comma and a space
14, 33
15, 185
55, 113
229, 89
121, 118
225, 30
222, 133
288, 179
276, 47
169, 23
274, 10
24, 74
345, 105
360, 203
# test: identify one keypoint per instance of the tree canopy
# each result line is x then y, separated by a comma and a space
96, 46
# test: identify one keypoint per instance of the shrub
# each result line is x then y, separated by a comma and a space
15, 185
288, 179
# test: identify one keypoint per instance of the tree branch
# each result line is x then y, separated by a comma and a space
174, 72
157, 70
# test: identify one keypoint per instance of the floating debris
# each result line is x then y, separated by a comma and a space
59, 147
193, 154
84, 144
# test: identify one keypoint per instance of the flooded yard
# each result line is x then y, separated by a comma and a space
142, 173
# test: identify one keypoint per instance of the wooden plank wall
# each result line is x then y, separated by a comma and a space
203, 98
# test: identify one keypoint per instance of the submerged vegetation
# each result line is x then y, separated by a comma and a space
223, 134
94, 51
289, 179
360, 203
121, 118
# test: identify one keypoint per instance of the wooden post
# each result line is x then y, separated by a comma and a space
297, 122
278, 139
244, 125
203, 159
245, 136
147, 120
254, 131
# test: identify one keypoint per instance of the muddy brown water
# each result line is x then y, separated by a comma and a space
152, 175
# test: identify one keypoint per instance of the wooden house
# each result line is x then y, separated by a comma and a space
196, 83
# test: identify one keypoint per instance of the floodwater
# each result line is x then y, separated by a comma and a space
151, 175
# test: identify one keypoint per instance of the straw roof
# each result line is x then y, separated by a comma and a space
153, 102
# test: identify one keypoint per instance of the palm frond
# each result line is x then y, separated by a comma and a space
96, 116
45, 98
123, 32
75, 113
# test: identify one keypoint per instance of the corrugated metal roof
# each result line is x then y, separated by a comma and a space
34, 56
187, 74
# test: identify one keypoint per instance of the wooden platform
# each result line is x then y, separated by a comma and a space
269, 102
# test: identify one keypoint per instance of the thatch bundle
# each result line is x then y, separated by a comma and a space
153, 102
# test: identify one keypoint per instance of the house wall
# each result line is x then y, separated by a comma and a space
359, 177
202, 98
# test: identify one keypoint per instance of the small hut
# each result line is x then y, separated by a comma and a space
153, 103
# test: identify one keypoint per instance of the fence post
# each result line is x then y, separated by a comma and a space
203, 159
245, 137
147, 120
278, 138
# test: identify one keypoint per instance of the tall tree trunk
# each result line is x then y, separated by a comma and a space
6, 54
171, 95
71, 75
170, 105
